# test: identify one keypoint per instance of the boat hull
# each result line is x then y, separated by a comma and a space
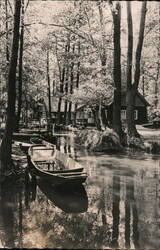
71, 177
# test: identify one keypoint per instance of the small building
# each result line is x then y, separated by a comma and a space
140, 113
85, 115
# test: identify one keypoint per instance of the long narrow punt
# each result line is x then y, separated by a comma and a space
48, 163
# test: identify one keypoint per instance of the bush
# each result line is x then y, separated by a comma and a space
99, 140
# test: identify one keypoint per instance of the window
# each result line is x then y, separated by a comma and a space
123, 114
136, 114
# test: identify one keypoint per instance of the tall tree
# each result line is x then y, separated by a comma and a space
7, 38
49, 91
71, 85
65, 118
116, 13
77, 79
6, 145
62, 73
20, 70
132, 87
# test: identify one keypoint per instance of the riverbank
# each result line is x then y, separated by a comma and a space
108, 141
149, 134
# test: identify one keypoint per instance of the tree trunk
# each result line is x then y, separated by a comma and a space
20, 81
140, 44
157, 83
71, 88
65, 120
130, 96
96, 118
77, 82
7, 39
49, 95
62, 77
117, 125
132, 88
100, 115
103, 55
26, 111
104, 118
130, 104
6, 145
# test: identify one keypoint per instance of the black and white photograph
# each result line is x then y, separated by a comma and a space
80, 124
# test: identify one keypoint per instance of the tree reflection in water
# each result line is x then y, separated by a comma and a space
7, 213
118, 208
130, 206
115, 210
11, 214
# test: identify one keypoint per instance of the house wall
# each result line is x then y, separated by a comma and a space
85, 117
140, 114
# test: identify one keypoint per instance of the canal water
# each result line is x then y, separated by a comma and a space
118, 207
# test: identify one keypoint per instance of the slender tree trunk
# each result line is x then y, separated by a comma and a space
143, 82
7, 38
6, 145
101, 126
71, 88
130, 96
132, 88
97, 118
20, 81
117, 125
103, 56
62, 78
49, 95
140, 44
65, 120
77, 81
26, 111
157, 82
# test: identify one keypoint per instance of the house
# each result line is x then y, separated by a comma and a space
140, 113
85, 116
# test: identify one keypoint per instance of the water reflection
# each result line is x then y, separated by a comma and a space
131, 187
69, 201
29, 189
115, 211
11, 216
118, 207
66, 145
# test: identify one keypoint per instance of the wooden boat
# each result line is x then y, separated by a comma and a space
50, 164
68, 200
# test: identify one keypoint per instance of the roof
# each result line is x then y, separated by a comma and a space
140, 101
